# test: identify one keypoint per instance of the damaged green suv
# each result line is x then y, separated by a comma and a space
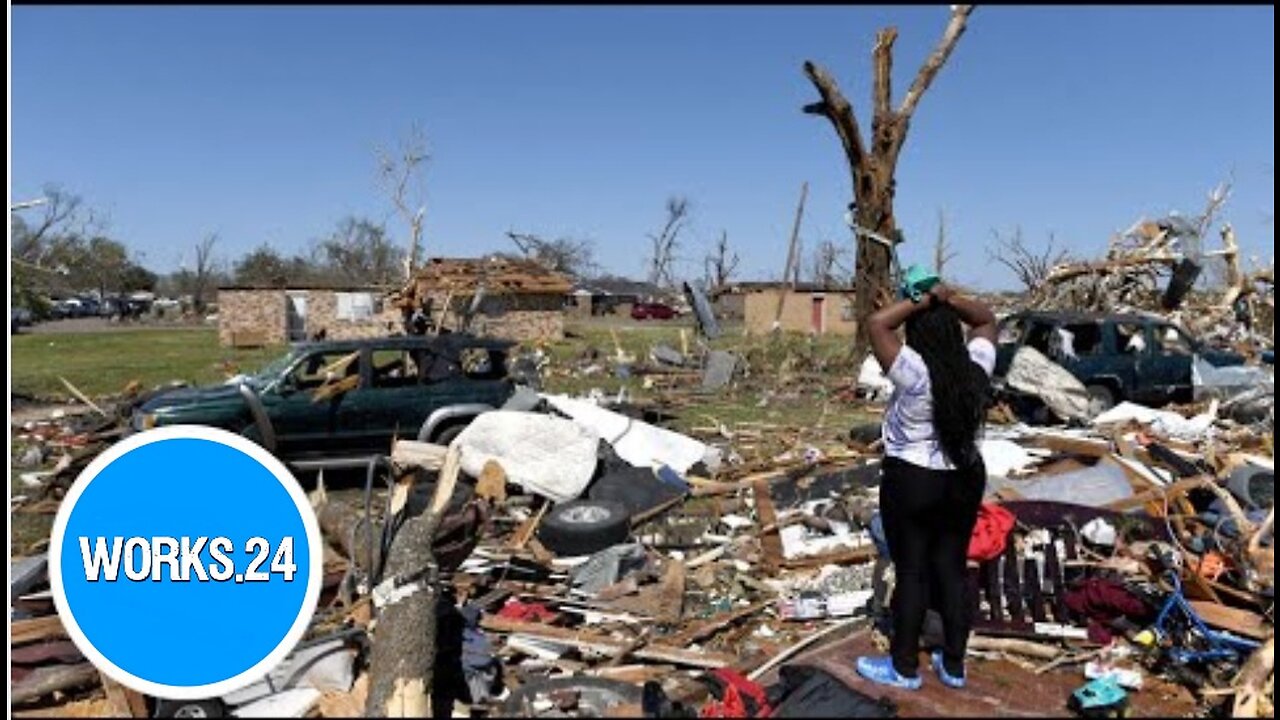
349, 398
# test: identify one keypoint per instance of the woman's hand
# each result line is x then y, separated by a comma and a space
942, 293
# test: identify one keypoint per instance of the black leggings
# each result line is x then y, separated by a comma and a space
928, 516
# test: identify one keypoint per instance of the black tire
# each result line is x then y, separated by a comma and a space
595, 695
582, 527
213, 708
1101, 399
449, 433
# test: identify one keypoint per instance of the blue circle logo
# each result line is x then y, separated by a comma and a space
185, 562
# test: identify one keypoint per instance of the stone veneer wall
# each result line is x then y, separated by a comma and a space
322, 313
252, 317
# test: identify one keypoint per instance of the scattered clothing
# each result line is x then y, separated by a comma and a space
734, 696
526, 612
990, 533
480, 667
1104, 603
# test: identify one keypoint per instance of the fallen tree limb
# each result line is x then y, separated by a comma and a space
52, 678
1026, 648
402, 660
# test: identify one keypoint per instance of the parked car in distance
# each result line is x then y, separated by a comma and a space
428, 388
1145, 359
652, 311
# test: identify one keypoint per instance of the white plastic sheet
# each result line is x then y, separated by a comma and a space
1004, 457
547, 455
1033, 373
1162, 422
637, 442
872, 379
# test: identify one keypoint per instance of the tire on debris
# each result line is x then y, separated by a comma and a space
582, 527
1101, 399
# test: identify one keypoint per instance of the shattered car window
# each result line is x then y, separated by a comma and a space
1172, 341
319, 367
394, 368
481, 363
1129, 338
1011, 331
273, 369
1086, 339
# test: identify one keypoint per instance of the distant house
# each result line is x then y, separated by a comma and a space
495, 296
612, 296
253, 316
806, 307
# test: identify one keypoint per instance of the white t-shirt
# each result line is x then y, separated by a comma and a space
908, 421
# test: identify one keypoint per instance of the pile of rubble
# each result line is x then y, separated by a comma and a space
583, 560
1154, 266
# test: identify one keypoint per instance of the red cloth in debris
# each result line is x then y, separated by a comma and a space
1102, 602
990, 533
735, 697
526, 612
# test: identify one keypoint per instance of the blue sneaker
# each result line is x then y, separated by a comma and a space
881, 670
947, 679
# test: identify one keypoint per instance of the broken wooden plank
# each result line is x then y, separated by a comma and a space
35, 629
862, 554
586, 639
82, 397
1238, 621
411, 453
521, 536
771, 542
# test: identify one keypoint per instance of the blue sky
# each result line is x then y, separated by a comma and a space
261, 123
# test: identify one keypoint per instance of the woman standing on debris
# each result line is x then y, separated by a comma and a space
933, 474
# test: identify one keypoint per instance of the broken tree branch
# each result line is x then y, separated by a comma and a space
934, 63
837, 109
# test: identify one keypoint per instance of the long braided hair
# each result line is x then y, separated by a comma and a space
959, 386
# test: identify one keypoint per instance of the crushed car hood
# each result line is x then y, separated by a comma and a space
190, 396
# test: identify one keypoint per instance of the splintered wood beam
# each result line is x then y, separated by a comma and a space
935, 61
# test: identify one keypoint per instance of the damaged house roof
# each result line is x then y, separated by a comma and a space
497, 274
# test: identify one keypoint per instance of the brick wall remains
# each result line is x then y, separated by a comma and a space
251, 317
322, 314
761, 306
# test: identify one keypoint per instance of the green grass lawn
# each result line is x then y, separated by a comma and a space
102, 363
791, 380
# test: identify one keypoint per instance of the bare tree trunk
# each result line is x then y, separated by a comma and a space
942, 253
872, 169
401, 664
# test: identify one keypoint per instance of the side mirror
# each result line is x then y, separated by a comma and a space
285, 386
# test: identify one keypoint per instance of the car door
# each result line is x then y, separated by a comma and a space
1166, 374
465, 375
392, 401
305, 426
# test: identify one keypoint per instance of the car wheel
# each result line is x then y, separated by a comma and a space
582, 527
446, 436
191, 709
1101, 399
